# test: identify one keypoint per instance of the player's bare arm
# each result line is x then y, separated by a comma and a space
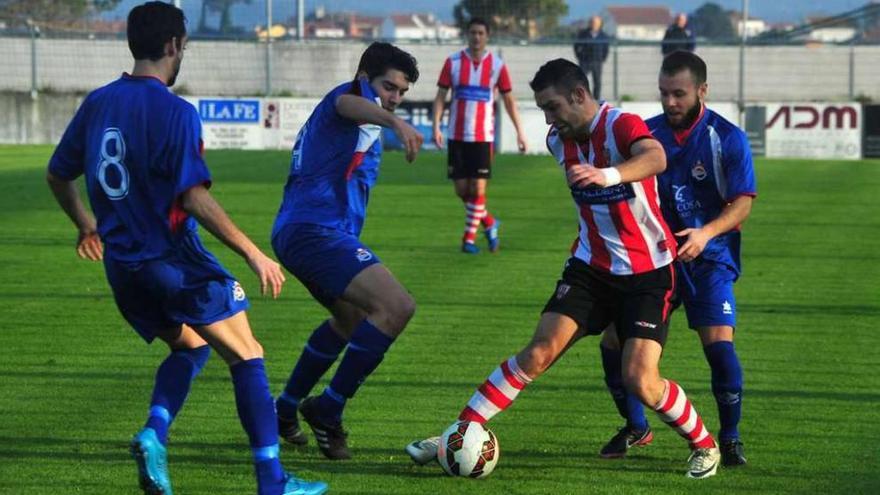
648, 159
199, 203
88, 244
732, 215
513, 111
359, 109
439, 105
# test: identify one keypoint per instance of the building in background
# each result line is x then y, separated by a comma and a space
637, 23
417, 27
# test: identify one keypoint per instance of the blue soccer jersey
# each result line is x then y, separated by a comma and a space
140, 147
706, 169
335, 163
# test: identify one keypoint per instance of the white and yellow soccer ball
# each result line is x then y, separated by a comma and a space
468, 449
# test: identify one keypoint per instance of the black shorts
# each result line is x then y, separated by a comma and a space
469, 160
638, 305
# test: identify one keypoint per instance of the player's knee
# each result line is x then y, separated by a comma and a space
638, 382
396, 312
535, 359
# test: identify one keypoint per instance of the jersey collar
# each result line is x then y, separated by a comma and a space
681, 135
129, 77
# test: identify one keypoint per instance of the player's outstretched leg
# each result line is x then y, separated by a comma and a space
233, 340
636, 432
554, 335
727, 384
188, 356
388, 308
320, 352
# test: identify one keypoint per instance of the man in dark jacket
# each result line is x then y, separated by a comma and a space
591, 50
679, 36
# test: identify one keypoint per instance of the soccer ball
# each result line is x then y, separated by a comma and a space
468, 449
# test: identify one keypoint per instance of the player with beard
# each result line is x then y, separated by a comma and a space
706, 191
316, 236
139, 147
620, 266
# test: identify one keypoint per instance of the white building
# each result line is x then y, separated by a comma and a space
417, 27
753, 26
637, 23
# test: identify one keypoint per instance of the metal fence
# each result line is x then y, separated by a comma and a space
309, 68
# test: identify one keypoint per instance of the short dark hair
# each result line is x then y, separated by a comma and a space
380, 56
480, 22
561, 74
150, 26
680, 60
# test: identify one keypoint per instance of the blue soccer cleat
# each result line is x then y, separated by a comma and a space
469, 248
492, 236
152, 464
296, 486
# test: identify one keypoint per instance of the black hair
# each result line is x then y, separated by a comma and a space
380, 56
480, 22
680, 60
150, 26
561, 74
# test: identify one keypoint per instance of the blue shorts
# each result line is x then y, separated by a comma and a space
324, 259
190, 286
706, 290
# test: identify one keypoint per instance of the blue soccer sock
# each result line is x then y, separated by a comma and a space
727, 385
366, 349
256, 410
628, 405
173, 379
320, 353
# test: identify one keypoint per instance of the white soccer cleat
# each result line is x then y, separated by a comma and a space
424, 451
703, 463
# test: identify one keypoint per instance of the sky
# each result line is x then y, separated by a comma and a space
769, 10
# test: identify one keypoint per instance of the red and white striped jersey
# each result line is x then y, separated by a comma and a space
621, 229
473, 83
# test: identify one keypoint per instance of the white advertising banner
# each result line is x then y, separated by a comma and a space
814, 130
535, 127
252, 123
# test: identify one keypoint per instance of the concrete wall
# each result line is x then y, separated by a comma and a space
795, 73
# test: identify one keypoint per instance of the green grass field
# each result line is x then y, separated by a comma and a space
75, 381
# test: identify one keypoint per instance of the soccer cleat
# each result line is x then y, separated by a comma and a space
732, 454
330, 437
297, 486
625, 438
492, 236
152, 464
423, 451
703, 463
469, 248
289, 430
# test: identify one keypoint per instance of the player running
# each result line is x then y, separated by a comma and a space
140, 149
474, 75
316, 236
620, 270
706, 192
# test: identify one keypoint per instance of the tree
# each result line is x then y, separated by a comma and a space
712, 22
516, 18
63, 12
224, 8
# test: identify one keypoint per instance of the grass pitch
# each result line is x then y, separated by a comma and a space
75, 381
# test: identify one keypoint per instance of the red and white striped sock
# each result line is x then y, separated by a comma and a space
487, 219
677, 411
496, 393
475, 212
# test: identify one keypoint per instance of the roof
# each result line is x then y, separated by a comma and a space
640, 15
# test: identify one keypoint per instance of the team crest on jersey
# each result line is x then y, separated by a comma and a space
237, 292
363, 255
562, 290
698, 171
